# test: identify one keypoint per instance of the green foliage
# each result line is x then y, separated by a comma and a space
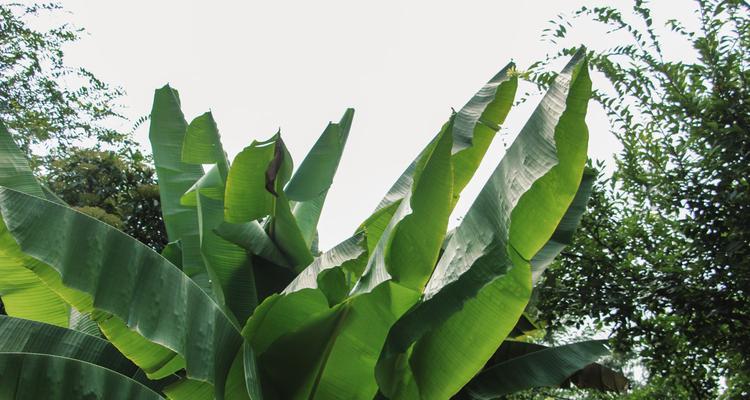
240, 304
35, 105
663, 257
116, 189
51, 108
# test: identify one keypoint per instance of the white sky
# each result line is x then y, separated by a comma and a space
296, 65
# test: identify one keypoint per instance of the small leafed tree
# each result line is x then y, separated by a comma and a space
118, 189
44, 101
238, 305
663, 258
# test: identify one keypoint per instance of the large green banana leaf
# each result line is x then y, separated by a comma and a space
49, 377
255, 190
335, 348
482, 282
335, 271
228, 265
19, 335
474, 128
310, 183
410, 244
167, 135
242, 382
251, 237
145, 306
24, 294
14, 167
336, 377
563, 235
518, 366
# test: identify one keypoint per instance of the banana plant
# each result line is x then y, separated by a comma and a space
241, 304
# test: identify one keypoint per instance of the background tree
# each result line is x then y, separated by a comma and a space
44, 101
53, 110
663, 256
119, 190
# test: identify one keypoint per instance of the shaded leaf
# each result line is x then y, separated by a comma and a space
43, 376
518, 366
120, 280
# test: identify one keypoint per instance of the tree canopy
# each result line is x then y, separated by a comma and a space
43, 100
663, 256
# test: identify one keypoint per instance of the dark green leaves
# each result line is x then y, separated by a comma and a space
520, 366
43, 376
99, 269
23, 336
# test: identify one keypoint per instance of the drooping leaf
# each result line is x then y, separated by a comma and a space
102, 271
23, 294
598, 377
521, 366
23, 336
44, 376
483, 280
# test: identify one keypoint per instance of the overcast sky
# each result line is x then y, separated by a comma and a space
259, 66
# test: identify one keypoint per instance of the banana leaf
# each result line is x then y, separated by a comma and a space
255, 191
24, 336
145, 306
167, 135
49, 377
518, 366
309, 185
482, 282
24, 294
228, 265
